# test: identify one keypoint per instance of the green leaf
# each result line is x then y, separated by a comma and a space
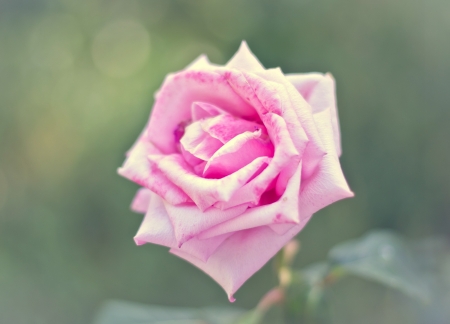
384, 257
120, 312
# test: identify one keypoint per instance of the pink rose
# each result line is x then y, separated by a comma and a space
233, 162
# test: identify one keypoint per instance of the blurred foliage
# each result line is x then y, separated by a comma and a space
418, 269
391, 265
77, 79
116, 312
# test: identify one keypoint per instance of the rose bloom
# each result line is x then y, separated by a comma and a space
233, 163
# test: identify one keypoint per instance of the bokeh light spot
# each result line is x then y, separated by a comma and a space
121, 48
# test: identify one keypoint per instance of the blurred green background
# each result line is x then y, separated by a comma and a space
77, 79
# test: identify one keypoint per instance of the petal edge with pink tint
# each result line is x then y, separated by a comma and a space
198, 142
139, 169
244, 59
156, 228
237, 153
188, 221
241, 255
141, 201
204, 192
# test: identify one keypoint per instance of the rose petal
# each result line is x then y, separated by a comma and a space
319, 91
225, 127
328, 183
204, 192
188, 221
139, 169
284, 210
201, 110
241, 255
156, 228
294, 102
201, 63
305, 82
323, 97
198, 142
284, 157
191, 159
202, 249
244, 59
141, 201
236, 154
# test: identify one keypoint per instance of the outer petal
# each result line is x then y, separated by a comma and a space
241, 255
328, 183
156, 228
323, 97
244, 59
201, 63
139, 169
188, 221
320, 92
141, 201
305, 82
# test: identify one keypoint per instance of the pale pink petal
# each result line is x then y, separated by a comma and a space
244, 59
179, 91
191, 159
198, 142
326, 186
270, 92
328, 183
281, 229
202, 249
305, 82
225, 127
319, 90
204, 192
237, 153
201, 110
139, 169
156, 228
188, 221
295, 105
323, 97
201, 63
141, 201
284, 210
241, 255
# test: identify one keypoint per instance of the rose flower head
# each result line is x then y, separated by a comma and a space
233, 163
